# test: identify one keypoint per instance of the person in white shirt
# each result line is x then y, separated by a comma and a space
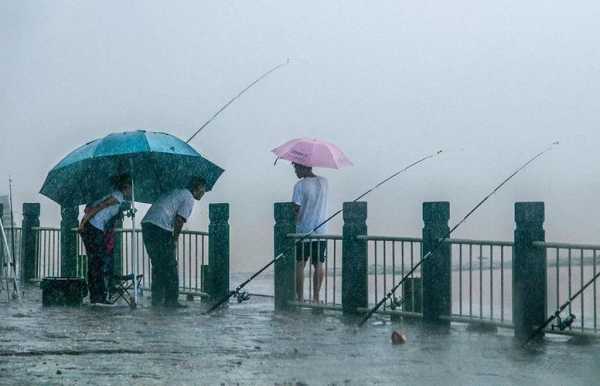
310, 197
161, 227
96, 228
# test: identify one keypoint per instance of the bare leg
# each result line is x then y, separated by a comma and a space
300, 280
318, 275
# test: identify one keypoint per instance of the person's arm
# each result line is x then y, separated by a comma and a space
91, 212
297, 196
179, 221
184, 211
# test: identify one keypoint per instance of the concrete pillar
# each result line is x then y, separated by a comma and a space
437, 268
68, 241
528, 269
218, 250
285, 267
205, 275
355, 288
29, 240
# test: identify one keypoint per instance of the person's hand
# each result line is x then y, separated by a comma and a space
81, 226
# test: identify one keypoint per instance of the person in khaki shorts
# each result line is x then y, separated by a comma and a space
161, 227
310, 197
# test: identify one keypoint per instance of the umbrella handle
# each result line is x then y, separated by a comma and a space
134, 254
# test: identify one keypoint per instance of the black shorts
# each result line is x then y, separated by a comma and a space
315, 250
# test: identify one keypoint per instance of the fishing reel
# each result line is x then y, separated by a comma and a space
242, 296
130, 212
563, 324
396, 303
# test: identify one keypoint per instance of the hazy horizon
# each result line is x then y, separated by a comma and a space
493, 84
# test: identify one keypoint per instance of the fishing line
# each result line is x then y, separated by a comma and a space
441, 241
236, 292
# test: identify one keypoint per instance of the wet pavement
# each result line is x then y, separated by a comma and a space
250, 344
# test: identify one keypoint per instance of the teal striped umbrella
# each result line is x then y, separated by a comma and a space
157, 162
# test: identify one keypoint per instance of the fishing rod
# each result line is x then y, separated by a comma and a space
12, 222
443, 240
5, 272
277, 67
5, 269
12, 235
304, 237
562, 324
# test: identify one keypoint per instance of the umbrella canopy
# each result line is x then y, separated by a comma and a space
157, 162
313, 153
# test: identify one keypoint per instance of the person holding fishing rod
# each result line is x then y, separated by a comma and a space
160, 230
310, 197
97, 231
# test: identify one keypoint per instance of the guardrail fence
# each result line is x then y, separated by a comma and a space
203, 257
513, 284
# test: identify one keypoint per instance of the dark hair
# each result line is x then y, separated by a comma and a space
301, 167
121, 181
195, 182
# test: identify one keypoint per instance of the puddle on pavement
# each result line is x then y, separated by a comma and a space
250, 344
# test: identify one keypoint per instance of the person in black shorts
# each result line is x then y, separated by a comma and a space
310, 197
315, 250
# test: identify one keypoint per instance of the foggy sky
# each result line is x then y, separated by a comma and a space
388, 81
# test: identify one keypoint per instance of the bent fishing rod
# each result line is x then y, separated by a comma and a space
562, 324
307, 235
277, 67
443, 240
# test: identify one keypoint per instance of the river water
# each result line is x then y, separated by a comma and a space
250, 344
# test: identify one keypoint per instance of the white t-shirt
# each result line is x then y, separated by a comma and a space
164, 210
103, 216
310, 193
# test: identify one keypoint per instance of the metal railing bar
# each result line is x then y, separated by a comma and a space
471, 320
491, 282
460, 279
314, 237
569, 270
502, 283
389, 238
480, 242
595, 292
560, 245
376, 273
334, 268
582, 281
470, 279
480, 281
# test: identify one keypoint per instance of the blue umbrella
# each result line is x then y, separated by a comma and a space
157, 162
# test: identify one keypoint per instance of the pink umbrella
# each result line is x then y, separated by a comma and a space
312, 152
